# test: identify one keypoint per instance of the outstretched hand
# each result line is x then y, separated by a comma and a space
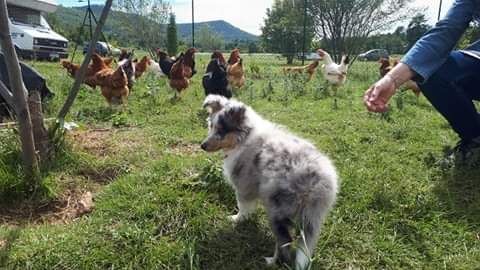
376, 98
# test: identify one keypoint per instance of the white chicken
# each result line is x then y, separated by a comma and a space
335, 74
154, 68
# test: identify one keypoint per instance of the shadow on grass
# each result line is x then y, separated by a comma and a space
459, 190
6, 246
241, 247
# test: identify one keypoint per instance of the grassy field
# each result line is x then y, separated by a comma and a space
161, 203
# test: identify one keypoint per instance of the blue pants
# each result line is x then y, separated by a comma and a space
452, 89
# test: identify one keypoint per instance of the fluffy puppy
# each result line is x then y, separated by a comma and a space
296, 183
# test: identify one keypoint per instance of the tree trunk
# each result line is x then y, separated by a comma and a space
83, 69
289, 59
29, 156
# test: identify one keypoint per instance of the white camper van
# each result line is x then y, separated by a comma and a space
30, 31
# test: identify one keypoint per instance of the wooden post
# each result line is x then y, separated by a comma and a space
6, 94
29, 156
193, 24
83, 68
40, 134
439, 10
304, 31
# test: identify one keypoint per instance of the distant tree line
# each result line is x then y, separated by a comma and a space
341, 27
346, 27
401, 39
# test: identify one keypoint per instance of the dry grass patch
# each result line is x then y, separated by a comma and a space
62, 210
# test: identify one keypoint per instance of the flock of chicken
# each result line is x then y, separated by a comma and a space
335, 74
220, 78
116, 84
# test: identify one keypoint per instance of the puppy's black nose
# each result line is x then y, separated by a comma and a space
204, 146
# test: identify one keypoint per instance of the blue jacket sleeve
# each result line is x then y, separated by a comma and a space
432, 50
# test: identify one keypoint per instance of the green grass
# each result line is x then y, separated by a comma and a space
399, 207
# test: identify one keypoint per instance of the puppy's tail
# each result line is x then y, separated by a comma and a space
312, 219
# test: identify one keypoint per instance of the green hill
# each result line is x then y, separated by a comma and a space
67, 21
223, 28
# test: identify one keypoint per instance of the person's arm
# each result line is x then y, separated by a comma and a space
425, 57
376, 98
432, 50
400, 74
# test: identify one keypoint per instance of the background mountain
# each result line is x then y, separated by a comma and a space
67, 21
227, 31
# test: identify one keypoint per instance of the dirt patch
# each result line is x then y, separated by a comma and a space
183, 148
70, 206
94, 141
104, 142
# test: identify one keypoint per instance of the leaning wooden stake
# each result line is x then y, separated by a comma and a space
83, 68
40, 134
6, 94
29, 156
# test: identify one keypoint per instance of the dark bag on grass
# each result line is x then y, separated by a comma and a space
32, 80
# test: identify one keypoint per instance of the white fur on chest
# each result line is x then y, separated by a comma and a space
229, 163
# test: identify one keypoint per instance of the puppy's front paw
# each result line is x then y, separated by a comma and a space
270, 261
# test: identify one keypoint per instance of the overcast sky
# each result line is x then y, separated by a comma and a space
248, 14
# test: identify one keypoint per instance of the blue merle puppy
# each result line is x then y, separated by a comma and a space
263, 162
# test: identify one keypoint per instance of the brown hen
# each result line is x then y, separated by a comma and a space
189, 61
178, 78
234, 56
98, 63
141, 66
113, 83
235, 72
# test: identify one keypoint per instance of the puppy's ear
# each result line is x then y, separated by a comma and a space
214, 103
236, 113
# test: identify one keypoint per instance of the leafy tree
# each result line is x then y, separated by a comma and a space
345, 25
252, 47
416, 28
283, 28
172, 42
394, 43
208, 40
149, 21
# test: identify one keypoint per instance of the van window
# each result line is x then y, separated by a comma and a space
24, 15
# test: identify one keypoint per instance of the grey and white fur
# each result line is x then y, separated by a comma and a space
265, 163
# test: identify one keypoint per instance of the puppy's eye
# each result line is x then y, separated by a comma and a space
220, 130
